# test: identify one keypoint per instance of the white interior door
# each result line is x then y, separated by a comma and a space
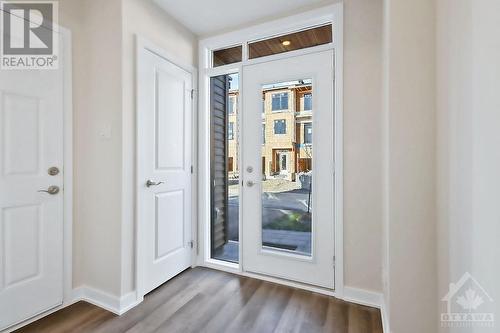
288, 221
31, 222
164, 169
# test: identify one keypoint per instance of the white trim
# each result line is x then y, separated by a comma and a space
143, 43
332, 13
114, 304
338, 167
385, 317
363, 297
68, 167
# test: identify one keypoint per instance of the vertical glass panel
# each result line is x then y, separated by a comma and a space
227, 56
290, 42
287, 155
224, 233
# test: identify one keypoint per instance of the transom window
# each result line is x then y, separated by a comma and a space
280, 101
280, 126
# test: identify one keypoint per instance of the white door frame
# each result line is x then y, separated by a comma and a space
143, 43
68, 294
329, 14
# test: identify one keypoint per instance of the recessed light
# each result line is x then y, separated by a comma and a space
286, 42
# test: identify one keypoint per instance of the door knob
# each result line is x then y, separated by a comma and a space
52, 190
150, 183
250, 183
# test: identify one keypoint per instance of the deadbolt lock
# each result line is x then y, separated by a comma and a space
53, 171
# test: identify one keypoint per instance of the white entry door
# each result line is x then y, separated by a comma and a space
164, 169
288, 220
31, 198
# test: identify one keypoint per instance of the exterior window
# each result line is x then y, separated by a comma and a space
232, 101
263, 133
280, 102
230, 131
280, 126
308, 133
308, 102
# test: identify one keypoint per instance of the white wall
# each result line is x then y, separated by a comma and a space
410, 200
363, 144
468, 81
96, 29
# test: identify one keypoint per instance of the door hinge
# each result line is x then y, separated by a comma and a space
192, 93
191, 244
192, 169
333, 261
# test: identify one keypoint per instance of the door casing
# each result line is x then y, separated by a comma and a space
329, 14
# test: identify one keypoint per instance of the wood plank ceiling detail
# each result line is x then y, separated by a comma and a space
290, 42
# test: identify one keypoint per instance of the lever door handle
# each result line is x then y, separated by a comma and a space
52, 190
150, 183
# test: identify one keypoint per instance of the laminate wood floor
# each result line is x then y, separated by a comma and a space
205, 300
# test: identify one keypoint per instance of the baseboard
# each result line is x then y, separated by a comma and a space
385, 317
363, 297
115, 304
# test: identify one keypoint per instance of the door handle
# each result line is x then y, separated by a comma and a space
150, 183
250, 183
52, 190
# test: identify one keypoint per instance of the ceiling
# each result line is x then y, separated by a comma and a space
207, 17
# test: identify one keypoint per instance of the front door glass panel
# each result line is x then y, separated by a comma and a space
287, 158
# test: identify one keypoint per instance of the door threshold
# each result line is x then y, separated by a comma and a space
235, 269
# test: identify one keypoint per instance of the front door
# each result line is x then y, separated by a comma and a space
164, 169
31, 193
288, 217
283, 162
